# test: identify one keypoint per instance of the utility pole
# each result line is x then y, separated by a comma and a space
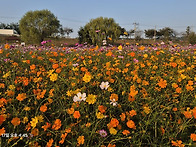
155, 33
135, 28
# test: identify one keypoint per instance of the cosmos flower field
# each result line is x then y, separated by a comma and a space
129, 95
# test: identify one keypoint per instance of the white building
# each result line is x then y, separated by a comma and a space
8, 32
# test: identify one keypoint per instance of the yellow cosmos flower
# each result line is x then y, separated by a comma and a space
99, 115
91, 99
87, 77
120, 47
6, 75
34, 122
53, 77
12, 87
113, 131
145, 55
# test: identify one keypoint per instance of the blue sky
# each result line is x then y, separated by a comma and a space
177, 14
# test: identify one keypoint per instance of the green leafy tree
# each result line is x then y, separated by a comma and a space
99, 29
192, 38
188, 31
36, 25
167, 33
150, 33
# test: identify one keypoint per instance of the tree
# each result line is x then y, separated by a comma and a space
188, 31
99, 29
150, 33
36, 25
167, 33
192, 38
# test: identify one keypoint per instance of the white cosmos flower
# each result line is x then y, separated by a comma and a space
113, 102
79, 97
104, 85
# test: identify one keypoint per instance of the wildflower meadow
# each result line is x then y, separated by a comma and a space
127, 95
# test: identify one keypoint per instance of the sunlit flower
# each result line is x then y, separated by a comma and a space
80, 97
57, 124
15, 121
102, 108
43, 108
80, 140
193, 137
162, 83
113, 102
177, 143
53, 77
34, 122
76, 114
21, 96
113, 131
91, 99
125, 132
104, 85
87, 77
131, 124
49, 143
99, 115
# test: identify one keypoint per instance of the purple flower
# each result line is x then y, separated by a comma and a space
97, 31
121, 57
135, 60
103, 133
76, 64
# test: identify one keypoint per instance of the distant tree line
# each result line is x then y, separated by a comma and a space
34, 26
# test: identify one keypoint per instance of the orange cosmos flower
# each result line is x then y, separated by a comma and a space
32, 67
80, 140
102, 108
109, 53
194, 112
43, 108
45, 127
126, 132
76, 114
114, 122
173, 64
132, 54
178, 90
15, 121
122, 116
49, 143
162, 83
55, 66
57, 124
111, 145
131, 124
193, 137
35, 132
187, 114
114, 96
58, 70
21, 96
63, 136
132, 113
2, 119
1, 51
2, 85
2, 131
177, 143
